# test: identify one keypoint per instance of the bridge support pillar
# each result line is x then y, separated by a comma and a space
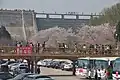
74, 68
32, 66
35, 65
28, 60
62, 16
77, 16
47, 16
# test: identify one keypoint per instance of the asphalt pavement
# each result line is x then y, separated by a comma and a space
58, 74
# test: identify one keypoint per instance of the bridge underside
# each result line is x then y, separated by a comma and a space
44, 23
49, 56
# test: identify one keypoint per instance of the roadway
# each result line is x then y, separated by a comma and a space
58, 74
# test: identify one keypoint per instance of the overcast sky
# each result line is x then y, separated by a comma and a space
59, 6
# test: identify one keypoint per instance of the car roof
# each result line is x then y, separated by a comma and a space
27, 73
4, 72
37, 75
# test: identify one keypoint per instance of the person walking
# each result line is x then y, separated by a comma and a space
109, 72
38, 70
99, 74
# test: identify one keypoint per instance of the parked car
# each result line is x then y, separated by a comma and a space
8, 63
37, 77
5, 75
13, 65
48, 64
53, 64
21, 76
2, 61
57, 65
67, 66
20, 68
4, 68
17, 65
41, 63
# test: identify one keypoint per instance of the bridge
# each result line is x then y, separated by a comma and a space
63, 14
49, 20
7, 52
54, 53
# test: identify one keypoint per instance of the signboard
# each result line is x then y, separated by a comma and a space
24, 50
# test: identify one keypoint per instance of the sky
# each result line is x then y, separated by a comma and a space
59, 6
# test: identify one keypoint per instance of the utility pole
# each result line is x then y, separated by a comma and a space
23, 26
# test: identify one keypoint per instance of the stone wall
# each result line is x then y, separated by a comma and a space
12, 20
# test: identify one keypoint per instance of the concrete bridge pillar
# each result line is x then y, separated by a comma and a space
28, 60
62, 16
32, 66
91, 17
77, 16
74, 66
47, 16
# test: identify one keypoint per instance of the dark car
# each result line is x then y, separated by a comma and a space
20, 70
48, 64
60, 64
37, 77
53, 64
4, 68
21, 76
2, 61
5, 76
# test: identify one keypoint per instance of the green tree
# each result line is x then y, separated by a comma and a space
108, 15
117, 32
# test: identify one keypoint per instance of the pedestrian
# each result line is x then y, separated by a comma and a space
38, 70
37, 47
102, 73
96, 75
27, 70
109, 72
99, 74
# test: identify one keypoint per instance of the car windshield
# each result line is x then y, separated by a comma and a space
83, 63
22, 67
116, 66
101, 64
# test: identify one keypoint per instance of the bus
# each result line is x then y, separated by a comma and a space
116, 69
87, 67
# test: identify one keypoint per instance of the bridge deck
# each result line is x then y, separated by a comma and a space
55, 53
50, 56
69, 14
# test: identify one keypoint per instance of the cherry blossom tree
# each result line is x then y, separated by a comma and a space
102, 34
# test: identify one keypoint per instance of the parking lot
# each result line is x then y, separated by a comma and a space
58, 74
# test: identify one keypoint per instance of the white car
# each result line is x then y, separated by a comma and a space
13, 64
41, 63
67, 66
18, 65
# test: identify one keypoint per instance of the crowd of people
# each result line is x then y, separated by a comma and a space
103, 49
84, 48
35, 47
